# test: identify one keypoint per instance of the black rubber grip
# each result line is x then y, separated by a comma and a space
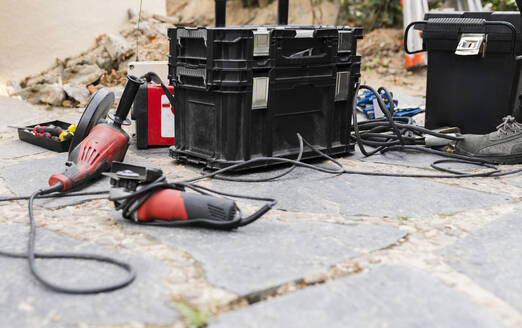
208, 207
127, 98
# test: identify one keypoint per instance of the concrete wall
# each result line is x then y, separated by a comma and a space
33, 33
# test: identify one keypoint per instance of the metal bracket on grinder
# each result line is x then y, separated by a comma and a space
128, 176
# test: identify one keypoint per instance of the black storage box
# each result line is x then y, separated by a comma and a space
474, 69
245, 92
228, 56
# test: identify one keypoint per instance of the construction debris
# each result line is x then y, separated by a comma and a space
105, 65
72, 80
49, 93
77, 92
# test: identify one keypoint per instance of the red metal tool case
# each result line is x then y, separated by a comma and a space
154, 117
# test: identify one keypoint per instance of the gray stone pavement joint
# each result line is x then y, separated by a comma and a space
388, 296
268, 254
492, 257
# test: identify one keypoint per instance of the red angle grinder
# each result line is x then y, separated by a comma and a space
145, 197
104, 143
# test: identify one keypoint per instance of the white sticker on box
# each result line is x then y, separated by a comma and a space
167, 118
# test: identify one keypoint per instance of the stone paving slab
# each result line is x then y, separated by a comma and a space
267, 254
389, 296
410, 159
308, 191
492, 257
26, 177
25, 303
409, 101
18, 148
154, 152
515, 181
14, 112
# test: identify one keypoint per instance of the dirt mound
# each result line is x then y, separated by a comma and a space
381, 41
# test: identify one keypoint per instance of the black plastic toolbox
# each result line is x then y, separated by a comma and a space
227, 56
58, 146
245, 92
218, 128
474, 69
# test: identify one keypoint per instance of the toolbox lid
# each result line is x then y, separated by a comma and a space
439, 27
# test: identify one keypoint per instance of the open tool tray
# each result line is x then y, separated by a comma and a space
58, 146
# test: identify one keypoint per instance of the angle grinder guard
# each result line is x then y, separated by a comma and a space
96, 110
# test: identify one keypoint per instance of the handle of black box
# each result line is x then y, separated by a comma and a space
406, 37
510, 27
449, 21
151, 76
221, 12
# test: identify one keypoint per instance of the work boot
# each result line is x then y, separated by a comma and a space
504, 146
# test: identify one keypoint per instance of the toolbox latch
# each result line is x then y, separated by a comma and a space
260, 92
472, 44
344, 42
261, 42
342, 86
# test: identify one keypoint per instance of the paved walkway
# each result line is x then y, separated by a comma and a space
345, 251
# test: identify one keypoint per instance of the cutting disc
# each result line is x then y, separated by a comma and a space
96, 110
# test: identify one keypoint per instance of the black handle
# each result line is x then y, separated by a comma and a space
209, 207
127, 98
406, 37
151, 76
455, 24
282, 12
221, 12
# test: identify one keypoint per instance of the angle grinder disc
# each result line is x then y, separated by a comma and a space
96, 110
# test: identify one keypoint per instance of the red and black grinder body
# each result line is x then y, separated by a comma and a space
106, 142
171, 204
93, 156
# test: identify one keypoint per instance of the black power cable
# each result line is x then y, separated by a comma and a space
60, 195
31, 255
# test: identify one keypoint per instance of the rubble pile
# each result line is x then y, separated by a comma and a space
71, 81
381, 50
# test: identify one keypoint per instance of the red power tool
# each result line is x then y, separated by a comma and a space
105, 143
145, 197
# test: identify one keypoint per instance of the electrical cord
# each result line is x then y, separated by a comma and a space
399, 134
60, 195
31, 255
